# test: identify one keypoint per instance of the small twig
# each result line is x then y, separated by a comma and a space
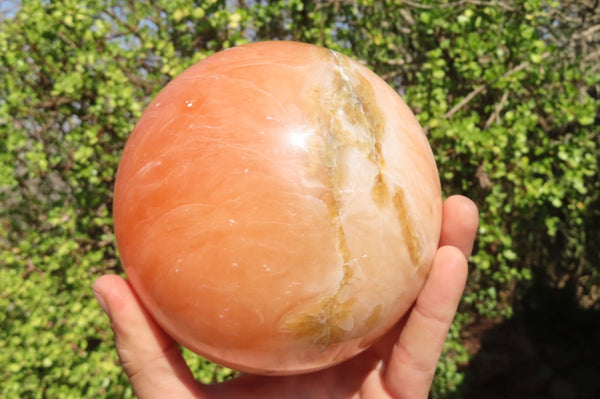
457, 3
31, 268
591, 55
588, 32
54, 102
66, 39
464, 101
396, 62
490, 4
407, 17
496, 114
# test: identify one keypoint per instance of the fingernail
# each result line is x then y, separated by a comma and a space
102, 303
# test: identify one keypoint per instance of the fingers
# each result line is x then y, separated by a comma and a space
413, 361
150, 358
459, 223
412, 364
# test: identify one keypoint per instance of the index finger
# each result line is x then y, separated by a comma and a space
459, 224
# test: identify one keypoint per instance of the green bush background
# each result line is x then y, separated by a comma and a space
508, 92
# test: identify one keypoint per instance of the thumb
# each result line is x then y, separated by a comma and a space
151, 359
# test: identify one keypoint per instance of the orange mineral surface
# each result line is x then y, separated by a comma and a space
277, 208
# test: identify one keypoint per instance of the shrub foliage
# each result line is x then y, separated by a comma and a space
508, 92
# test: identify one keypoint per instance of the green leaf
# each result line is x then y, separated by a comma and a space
586, 120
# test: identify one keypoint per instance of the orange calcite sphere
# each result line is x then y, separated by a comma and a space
277, 208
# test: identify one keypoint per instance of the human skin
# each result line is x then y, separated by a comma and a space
401, 365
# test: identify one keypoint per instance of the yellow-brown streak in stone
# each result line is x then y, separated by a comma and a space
380, 192
321, 325
379, 155
353, 95
373, 318
366, 112
408, 231
369, 116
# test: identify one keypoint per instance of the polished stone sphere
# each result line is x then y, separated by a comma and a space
277, 208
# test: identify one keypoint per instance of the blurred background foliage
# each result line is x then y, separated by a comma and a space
507, 90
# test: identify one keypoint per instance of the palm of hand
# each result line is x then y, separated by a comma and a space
401, 365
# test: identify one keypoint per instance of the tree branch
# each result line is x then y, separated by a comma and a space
482, 86
497, 109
